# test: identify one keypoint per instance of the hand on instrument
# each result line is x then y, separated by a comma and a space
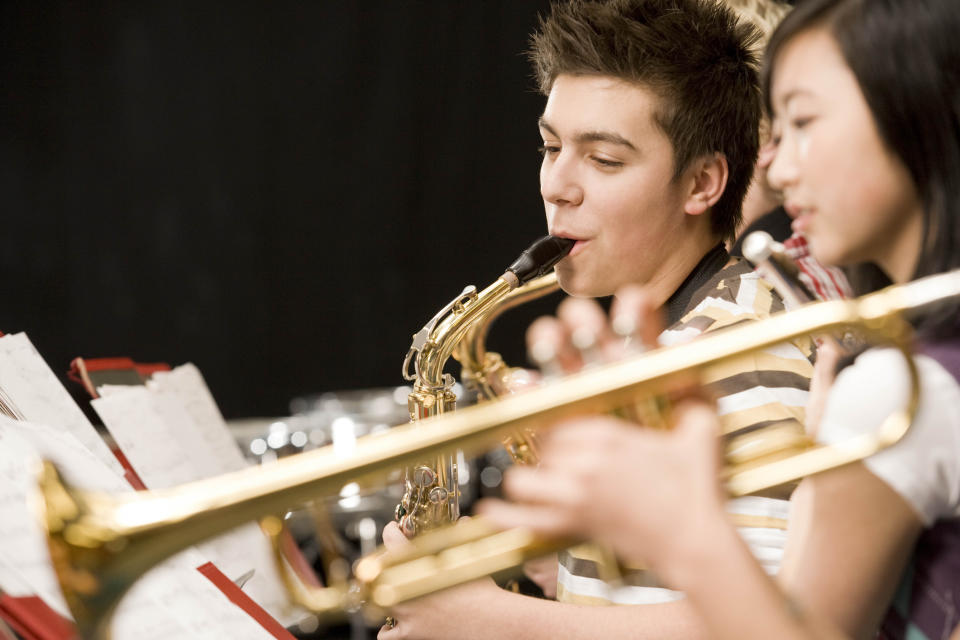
543, 573
442, 615
581, 334
637, 490
824, 373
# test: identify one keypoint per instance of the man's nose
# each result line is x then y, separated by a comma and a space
559, 181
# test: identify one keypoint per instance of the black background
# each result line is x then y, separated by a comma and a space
279, 192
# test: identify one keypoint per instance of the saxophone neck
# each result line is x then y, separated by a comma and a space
433, 345
485, 368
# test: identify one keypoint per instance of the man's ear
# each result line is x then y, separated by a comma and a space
708, 176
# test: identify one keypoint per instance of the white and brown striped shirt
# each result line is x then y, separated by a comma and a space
763, 389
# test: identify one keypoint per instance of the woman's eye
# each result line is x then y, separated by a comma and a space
800, 123
549, 150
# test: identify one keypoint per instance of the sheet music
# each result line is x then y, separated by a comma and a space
157, 429
177, 601
32, 387
173, 601
243, 548
23, 555
140, 431
188, 386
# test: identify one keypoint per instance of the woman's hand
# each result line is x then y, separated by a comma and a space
640, 491
581, 334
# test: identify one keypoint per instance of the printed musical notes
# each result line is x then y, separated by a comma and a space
37, 395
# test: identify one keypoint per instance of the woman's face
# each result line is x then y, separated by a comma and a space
853, 198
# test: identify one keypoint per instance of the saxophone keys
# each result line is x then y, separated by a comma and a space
423, 477
407, 526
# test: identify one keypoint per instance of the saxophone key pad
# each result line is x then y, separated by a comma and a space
424, 477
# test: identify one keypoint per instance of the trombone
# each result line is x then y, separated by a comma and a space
101, 544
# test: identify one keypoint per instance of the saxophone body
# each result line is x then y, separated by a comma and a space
431, 491
486, 373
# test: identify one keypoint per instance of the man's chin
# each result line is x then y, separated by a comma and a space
576, 285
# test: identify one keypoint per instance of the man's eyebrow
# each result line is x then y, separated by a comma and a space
591, 136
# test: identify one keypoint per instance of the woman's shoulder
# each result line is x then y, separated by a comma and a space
924, 466
878, 382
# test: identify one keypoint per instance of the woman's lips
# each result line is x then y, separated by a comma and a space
801, 223
802, 217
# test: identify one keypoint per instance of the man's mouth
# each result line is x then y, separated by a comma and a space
578, 245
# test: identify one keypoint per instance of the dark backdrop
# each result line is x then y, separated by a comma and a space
280, 192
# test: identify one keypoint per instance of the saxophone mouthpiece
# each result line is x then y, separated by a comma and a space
539, 258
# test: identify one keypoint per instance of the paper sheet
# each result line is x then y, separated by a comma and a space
30, 384
172, 433
172, 601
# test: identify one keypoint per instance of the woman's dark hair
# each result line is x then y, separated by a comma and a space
905, 55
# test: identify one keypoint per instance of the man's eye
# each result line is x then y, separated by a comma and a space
549, 150
604, 162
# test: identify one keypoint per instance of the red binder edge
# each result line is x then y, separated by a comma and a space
81, 368
128, 473
30, 617
242, 600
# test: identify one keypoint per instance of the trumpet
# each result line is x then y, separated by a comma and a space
101, 544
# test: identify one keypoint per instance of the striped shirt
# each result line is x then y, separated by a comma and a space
765, 389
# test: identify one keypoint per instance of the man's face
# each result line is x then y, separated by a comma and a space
607, 182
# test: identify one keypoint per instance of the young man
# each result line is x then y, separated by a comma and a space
649, 141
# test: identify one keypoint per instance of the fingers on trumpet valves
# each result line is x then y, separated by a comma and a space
577, 337
549, 348
582, 335
589, 333
635, 318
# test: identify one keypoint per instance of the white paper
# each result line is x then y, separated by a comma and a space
139, 429
172, 601
172, 433
35, 390
24, 557
187, 385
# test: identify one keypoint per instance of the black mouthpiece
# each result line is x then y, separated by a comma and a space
540, 257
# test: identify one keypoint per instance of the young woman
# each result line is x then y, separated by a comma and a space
865, 97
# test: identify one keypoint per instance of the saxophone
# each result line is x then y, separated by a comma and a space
431, 490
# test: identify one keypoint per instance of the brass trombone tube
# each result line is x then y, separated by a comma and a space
101, 544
